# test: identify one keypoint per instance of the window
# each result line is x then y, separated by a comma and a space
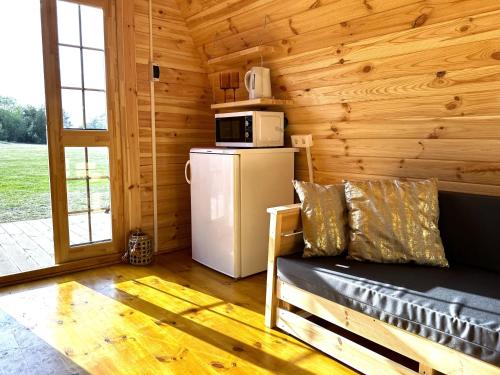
82, 66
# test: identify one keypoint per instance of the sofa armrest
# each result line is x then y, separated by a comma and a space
285, 230
285, 237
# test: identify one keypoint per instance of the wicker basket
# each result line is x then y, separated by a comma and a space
140, 249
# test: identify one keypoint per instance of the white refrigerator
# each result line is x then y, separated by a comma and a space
231, 190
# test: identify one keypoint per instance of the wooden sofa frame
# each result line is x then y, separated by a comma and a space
284, 299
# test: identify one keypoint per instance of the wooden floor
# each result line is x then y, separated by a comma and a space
175, 317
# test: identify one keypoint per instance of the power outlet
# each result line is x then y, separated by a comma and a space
302, 141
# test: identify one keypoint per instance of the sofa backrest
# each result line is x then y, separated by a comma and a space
470, 229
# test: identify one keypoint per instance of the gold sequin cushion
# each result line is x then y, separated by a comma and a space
324, 218
394, 221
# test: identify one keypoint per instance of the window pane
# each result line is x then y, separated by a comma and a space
75, 162
95, 110
101, 226
87, 174
72, 109
77, 196
92, 27
76, 177
100, 199
100, 195
67, 23
70, 66
98, 161
94, 68
79, 229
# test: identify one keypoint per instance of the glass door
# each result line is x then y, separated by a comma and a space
82, 121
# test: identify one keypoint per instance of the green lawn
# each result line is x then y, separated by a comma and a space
24, 181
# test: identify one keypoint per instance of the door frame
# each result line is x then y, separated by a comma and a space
58, 138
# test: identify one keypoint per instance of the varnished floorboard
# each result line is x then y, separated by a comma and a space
175, 317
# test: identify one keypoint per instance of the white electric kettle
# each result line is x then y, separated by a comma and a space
258, 82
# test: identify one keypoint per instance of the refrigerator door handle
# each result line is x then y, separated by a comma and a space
186, 172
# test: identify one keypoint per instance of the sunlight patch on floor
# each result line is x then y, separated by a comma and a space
228, 319
156, 326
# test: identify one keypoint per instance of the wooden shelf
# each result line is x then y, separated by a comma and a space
242, 55
263, 102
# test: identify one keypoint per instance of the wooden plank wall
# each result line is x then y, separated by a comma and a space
406, 88
182, 118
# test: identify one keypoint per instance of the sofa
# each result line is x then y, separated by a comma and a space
395, 318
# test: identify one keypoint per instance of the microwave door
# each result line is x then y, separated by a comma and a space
230, 132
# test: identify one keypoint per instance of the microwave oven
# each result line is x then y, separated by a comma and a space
250, 129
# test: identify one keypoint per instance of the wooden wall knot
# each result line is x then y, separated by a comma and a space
367, 68
435, 132
464, 28
420, 20
347, 107
294, 30
334, 129
316, 4
479, 170
422, 146
231, 26
367, 5
360, 164
454, 104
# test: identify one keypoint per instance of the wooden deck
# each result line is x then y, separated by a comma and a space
25, 246
28, 245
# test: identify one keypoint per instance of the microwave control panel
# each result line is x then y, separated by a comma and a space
248, 129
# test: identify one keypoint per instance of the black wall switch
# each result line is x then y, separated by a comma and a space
156, 72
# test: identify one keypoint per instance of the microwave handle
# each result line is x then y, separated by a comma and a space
186, 172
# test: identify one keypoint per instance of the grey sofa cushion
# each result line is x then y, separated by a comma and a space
470, 229
457, 307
